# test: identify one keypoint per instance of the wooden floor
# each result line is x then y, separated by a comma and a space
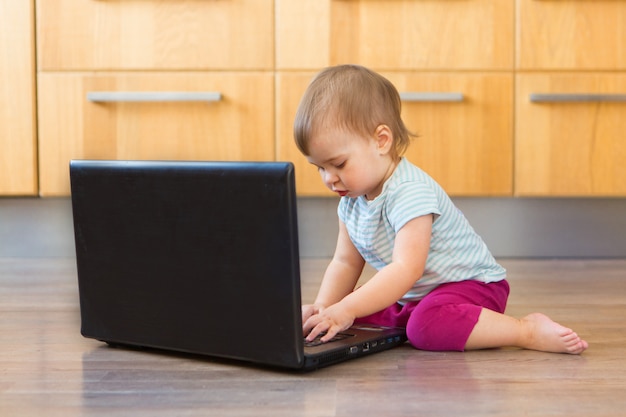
48, 369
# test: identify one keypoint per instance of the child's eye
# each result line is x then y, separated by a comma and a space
341, 165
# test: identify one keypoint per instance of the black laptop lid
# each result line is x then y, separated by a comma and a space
199, 257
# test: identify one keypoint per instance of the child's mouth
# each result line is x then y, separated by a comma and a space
342, 193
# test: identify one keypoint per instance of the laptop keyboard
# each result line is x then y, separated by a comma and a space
317, 341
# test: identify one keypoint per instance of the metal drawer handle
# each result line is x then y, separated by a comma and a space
577, 98
430, 97
156, 96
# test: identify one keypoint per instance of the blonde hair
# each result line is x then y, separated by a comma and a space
354, 98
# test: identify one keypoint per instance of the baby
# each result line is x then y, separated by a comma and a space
435, 275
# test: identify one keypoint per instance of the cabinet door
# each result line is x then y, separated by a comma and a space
402, 34
571, 34
155, 34
240, 126
465, 145
570, 145
18, 174
290, 87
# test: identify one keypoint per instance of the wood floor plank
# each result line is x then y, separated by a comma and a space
48, 368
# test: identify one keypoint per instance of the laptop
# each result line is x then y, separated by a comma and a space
201, 258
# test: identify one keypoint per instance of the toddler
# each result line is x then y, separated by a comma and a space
435, 276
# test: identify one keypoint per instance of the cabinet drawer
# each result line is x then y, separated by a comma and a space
465, 145
571, 34
239, 126
18, 172
572, 140
403, 34
290, 87
155, 34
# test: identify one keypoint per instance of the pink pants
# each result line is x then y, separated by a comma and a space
444, 319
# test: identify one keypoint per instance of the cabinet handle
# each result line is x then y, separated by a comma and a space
576, 98
152, 96
430, 97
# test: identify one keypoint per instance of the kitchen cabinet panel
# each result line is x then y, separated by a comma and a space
403, 34
239, 126
290, 86
571, 34
571, 139
18, 158
149, 35
465, 145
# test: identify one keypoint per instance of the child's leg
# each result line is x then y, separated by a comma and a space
395, 315
535, 331
469, 315
445, 318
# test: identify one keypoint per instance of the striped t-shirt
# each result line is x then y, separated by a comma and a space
456, 251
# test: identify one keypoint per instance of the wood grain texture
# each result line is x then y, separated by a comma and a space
18, 166
571, 35
47, 368
395, 35
238, 127
570, 149
153, 35
467, 146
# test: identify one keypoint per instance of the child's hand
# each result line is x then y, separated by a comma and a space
309, 310
331, 320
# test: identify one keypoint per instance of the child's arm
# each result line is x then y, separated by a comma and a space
384, 288
341, 276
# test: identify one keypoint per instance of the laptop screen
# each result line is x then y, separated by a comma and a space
200, 257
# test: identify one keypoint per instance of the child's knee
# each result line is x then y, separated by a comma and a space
442, 328
430, 337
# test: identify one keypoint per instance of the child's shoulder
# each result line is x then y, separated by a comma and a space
408, 173
407, 169
410, 181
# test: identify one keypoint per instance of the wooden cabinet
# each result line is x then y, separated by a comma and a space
570, 116
289, 89
465, 142
433, 47
389, 35
18, 171
464, 129
260, 55
150, 34
157, 59
571, 35
237, 126
570, 135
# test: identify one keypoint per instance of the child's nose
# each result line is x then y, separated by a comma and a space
330, 178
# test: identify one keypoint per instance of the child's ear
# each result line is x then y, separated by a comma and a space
384, 139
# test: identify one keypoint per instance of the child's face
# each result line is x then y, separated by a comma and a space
351, 164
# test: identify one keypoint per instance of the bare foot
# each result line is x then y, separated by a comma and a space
549, 336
